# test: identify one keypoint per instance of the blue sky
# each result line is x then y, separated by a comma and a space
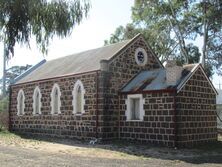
104, 17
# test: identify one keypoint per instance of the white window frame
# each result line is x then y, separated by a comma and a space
37, 89
145, 56
20, 93
55, 86
74, 95
128, 106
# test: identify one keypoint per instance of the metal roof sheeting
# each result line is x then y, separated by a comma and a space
154, 80
147, 80
76, 63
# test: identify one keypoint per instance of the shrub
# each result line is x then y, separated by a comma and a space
4, 115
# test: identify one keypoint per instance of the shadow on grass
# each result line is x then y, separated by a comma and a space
207, 153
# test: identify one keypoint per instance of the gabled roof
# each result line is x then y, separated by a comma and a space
156, 80
192, 71
28, 71
77, 63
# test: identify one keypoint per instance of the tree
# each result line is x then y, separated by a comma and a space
12, 73
172, 26
22, 19
43, 19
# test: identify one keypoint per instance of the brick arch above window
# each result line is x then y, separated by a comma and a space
21, 103
55, 99
78, 101
37, 104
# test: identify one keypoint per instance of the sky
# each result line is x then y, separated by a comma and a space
104, 17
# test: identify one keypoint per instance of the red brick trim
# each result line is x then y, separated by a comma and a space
150, 91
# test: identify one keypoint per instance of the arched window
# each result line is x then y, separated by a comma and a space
37, 101
55, 99
78, 98
21, 102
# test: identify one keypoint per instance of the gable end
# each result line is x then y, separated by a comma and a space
193, 71
133, 40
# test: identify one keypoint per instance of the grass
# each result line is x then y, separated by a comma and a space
117, 149
8, 138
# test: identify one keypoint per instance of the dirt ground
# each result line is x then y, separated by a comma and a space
17, 151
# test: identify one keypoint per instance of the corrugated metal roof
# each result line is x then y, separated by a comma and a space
76, 63
147, 80
155, 80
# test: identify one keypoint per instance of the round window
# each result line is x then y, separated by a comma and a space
141, 56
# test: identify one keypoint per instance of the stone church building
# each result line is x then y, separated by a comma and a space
120, 91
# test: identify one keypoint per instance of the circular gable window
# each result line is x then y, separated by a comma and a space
141, 56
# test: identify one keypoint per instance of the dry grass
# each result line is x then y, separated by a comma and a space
76, 148
116, 150
4, 118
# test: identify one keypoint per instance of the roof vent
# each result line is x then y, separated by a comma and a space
173, 72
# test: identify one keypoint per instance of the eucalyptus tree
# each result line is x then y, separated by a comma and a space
173, 27
20, 20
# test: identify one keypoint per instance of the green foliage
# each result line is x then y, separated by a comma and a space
4, 114
171, 28
4, 104
22, 19
12, 73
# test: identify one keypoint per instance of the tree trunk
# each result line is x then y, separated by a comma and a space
205, 36
4, 73
178, 33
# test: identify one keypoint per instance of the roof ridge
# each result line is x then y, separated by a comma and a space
128, 40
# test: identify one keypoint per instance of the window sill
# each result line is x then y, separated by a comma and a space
56, 114
78, 114
134, 120
36, 114
20, 115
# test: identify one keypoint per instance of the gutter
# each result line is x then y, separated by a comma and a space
148, 91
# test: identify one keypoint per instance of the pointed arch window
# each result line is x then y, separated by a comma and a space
78, 98
55, 99
37, 101
21, 103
